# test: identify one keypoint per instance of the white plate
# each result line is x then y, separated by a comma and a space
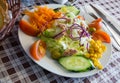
53, 66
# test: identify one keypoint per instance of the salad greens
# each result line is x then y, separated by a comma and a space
70, 10
55, 48
68, 40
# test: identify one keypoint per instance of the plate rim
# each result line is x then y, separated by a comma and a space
76, 74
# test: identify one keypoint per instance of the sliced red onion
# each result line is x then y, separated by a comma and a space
71, 35
83, 32
59, 34
73, 26
87, 47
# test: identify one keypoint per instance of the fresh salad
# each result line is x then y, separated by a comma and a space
72, 41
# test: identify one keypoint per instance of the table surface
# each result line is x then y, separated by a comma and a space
17, 67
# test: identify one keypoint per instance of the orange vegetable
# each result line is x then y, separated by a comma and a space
101, 35
38, 50
42, 17
27, 28
80, 17
96, 24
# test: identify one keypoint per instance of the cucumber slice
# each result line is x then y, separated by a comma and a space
70, 15
69, 9
76, 63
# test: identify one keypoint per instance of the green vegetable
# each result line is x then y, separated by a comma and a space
52, 32
70, 15
68, 43
57, 47
76, 63
70, 9
91, 30
54, 47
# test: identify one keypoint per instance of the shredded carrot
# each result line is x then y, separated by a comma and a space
42, 17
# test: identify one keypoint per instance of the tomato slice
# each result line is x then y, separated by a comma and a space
27, 28
96, 24
97, 20
101, 35
38, 49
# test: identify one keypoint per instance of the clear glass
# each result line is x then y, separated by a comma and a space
27, 2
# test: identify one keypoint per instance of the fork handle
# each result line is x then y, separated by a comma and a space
113, 34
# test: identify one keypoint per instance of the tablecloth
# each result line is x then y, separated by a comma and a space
17, 67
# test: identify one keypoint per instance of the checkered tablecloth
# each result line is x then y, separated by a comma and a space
17, 67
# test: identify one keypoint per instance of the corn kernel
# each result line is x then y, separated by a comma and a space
87, 55
91, 55
100, 50
95, 55
93, 59
100, 67
95, 52
99, 56
95, 63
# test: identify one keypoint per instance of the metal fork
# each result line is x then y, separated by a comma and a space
70, 2
114, 36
